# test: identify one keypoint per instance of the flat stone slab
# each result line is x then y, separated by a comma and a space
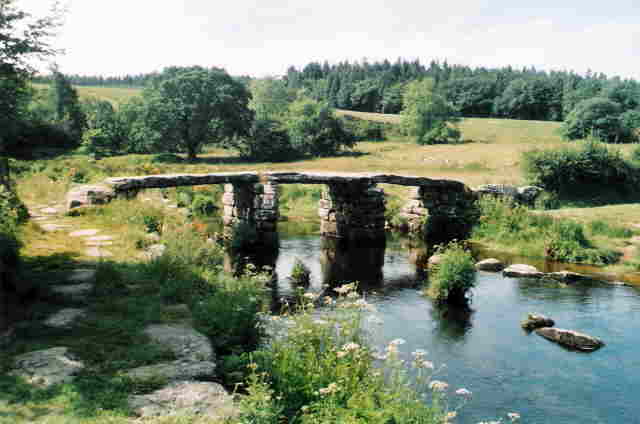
186, 398
98, 243
100, 238
154, 251
179, 370
64, 318
74, 291
82, 275
571, 339
491, 265
49, 211
54, 227
87, 195
569, 277
522, 271
47, 367
84, 233
184, 341
96, 252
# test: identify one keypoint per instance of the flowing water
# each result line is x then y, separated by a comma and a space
485, 350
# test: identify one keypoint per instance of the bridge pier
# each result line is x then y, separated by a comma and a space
254, 206
353, 212
439, 214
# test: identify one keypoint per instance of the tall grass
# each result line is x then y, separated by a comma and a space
537, 235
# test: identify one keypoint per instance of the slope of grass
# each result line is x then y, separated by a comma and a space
114, 95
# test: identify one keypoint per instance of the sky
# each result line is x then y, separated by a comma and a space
265, 37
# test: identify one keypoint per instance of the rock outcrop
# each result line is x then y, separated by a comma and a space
87, 195
186, 398
47, 367
571, 339
534, 321
526, 195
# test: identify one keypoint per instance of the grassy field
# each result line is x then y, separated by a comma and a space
114, 95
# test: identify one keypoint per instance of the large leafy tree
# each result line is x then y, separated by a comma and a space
598, 117
428, 116
23, 38
188, 107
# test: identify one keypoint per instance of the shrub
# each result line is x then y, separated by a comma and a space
323, 370
364, 130
598, 117
454, 276
267, 141
203, 205
566, 242
599, 227
300, 274
589, 163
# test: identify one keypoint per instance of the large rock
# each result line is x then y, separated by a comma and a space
179, 370
434, 261
522, 271
571, 339
491, 265
47, 367
65, 318
569, 277
75, 292
186, 398
87, 195
182, 340
534, 321
526, 195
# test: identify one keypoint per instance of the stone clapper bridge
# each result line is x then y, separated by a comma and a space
351, 209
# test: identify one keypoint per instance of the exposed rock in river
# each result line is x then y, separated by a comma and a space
571, 339
491, 264
534, 321
569, 277
522, 271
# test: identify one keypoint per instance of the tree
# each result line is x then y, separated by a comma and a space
22, 38
188, 107
598, 117
270, 98
313, 129
68, 112
428, 116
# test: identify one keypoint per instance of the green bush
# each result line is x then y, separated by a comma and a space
588, 164
300, 274
323, 370
599, 227
598, 117
567, 243
364, 130
454, 275
167, 158
203, 205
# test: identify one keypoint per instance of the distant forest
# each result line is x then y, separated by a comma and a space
505, 92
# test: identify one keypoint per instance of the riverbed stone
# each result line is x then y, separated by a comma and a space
534, 321
47, 367
569, 277
434, 260
490, 264
97, 252
87, 195
64, 318
571, 339
186, 398
52, 227
82, 275
522, 271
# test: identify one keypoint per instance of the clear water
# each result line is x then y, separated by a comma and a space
486, 351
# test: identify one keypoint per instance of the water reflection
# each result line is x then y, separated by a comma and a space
343, 264
452, 323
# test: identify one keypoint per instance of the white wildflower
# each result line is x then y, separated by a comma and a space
513, 416
349, 347
463, 392
397, 342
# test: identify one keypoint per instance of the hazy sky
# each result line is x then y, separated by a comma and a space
252, 37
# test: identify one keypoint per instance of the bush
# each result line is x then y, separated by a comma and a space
589, 163
203, 205
267, 141
567, 242
300, 274
315, 373
364, 130
454, 275
598, 117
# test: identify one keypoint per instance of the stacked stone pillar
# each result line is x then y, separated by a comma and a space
439, 213
254, 205
353, 212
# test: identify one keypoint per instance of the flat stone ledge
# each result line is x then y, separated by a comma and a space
47, 367
64, 318
174, 371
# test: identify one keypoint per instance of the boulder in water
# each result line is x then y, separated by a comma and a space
571, 339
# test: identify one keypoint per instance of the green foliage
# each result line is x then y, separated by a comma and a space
322, 370
537, 234
189, 107
300, 274
203, 205
270, 98
365, 130
166, 158
428, 116
598, 117
454, 275
267, 141
589, 163
599, 227
314, 130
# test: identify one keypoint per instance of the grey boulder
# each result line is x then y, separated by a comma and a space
571, 339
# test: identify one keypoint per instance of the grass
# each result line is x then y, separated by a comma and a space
114, 95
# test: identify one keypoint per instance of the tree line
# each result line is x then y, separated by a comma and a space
504, 92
